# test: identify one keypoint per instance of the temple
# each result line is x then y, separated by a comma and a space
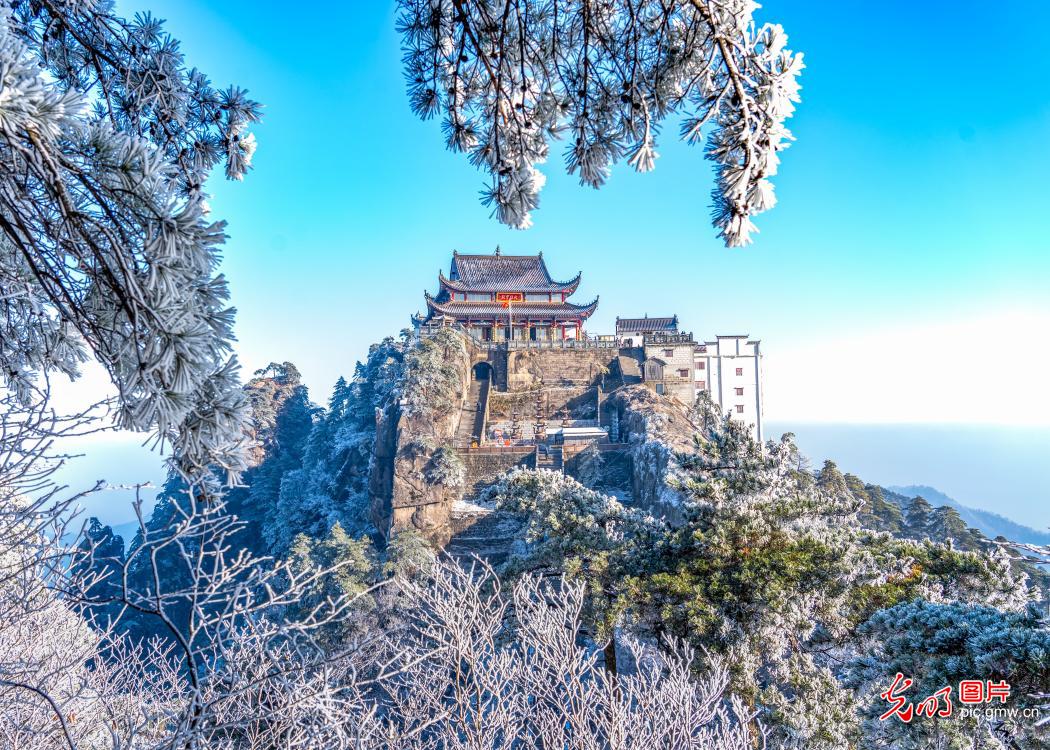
507, 297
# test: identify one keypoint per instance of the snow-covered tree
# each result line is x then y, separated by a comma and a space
446, 468
481, 667
939, 645
768, 567
918, 518
590, 466
507, 78
332, 484
107, 249
353, 564
428, 383
407, 554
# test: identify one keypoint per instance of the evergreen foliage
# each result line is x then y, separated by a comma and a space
108, 138
771, 570
787, 576
918, 517
941, 644
509, 80
353, 561
590, 466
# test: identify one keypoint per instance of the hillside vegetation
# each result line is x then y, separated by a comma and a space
810, 588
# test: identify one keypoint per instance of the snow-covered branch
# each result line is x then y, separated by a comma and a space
508, 77
106, 245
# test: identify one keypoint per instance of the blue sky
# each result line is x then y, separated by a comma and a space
903, 277
908, 206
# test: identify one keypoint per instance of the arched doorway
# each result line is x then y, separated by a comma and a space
482, 371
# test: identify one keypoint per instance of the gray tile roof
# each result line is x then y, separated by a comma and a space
647, 325
496, 273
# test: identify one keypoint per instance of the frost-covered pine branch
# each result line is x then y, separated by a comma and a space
508, 77
106, 245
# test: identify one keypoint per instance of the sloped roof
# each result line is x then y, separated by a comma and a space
647, 325
499, 273
555, 310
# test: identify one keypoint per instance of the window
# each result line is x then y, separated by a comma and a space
668, 352
701, 384
739, 408
740, 371
478, 296
683, 373
701, 365
739, 391
538, 297
660, 388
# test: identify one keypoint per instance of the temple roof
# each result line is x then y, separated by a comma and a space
503, 273
647, 325
555, 310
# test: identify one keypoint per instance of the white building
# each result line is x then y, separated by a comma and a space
730, 370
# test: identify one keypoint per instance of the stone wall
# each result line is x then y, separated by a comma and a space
654, 426
531, 368
581, 402
485, 466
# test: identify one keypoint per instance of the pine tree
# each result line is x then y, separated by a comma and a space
763, 558
830, 479
939, 645
918, 518
590, 466
353, 565
946, 523
332, 483
408, 554
150, 544
98, 563
887, 515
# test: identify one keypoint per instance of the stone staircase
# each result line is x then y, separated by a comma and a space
554, 460
475, 486
472, 417
630, 370
488, 534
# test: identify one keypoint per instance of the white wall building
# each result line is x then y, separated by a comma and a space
730, 370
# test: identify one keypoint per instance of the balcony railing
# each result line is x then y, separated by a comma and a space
586, 343
669, 338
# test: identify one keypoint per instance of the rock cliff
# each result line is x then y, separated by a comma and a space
414, 477
655, 428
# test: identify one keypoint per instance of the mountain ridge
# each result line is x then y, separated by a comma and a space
990, 524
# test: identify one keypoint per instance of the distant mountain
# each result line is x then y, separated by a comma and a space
990, 524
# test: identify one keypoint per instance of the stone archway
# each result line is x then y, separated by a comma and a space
482, 371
